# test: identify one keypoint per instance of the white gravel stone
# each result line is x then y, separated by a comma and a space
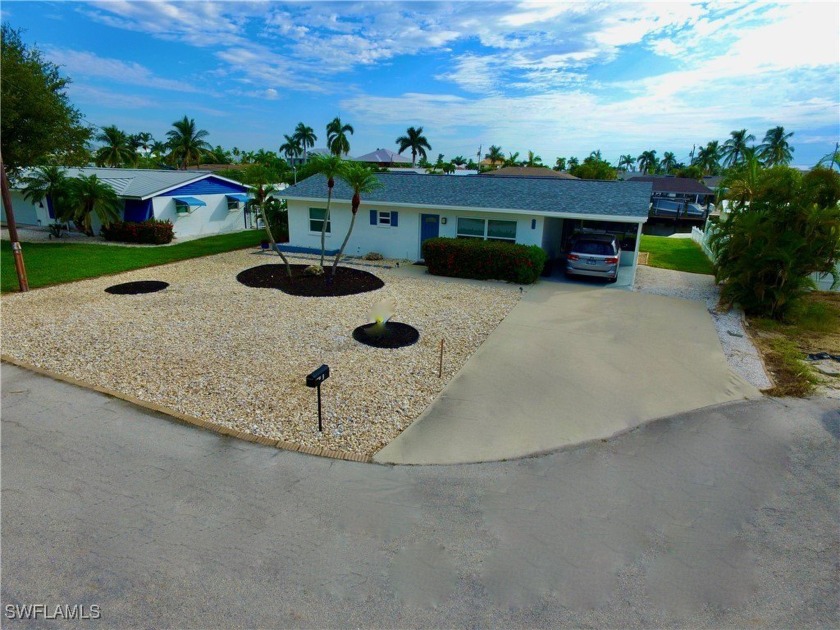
210, 347
741, 353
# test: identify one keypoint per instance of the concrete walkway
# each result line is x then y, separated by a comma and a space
572, 363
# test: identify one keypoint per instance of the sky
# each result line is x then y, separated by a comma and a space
559, 79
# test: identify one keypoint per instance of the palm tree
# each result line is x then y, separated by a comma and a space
48, 182
330, 166
459, 160
669, 161
305, 137
573, 163
533, 160
776, 150
90, 195
708, 158
258, 177
512, 159
733, 149
337, 137
142, 140
416, 141
626, 162
831, 159
117, 149
647, 161
560, 164
291, 148
495, 155
158, 148
742, 182
362, 180
186, 142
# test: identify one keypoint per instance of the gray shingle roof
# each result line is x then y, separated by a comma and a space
674, 184
383, 156
138, 182
554, 196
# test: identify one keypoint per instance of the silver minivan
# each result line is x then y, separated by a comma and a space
596, 255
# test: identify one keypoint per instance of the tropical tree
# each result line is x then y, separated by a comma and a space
573, 162
38, 124
362, 180
459, 160
775, 150
767, 252
258, 177
831, 159
158, 148
218, 155
495, 155
626, 162
330, 166
533, 160
304, 137
593, 167
416, 141
337, 137
741, 183
117, 149
734, 149
186, 143
647, 161
48, 183
708, 158
448, 168
291, 148
669, 161
142, 140
512, 159
560, 164
88, 195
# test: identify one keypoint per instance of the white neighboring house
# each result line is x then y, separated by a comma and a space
395, 219
197, 202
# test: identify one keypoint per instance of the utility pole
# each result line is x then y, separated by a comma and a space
13, 235
478, 161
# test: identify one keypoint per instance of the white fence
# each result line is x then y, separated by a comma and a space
701, 237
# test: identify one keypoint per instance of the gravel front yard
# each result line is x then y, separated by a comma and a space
212, 348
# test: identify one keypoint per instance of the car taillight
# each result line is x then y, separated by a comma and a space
611, 261
572, 257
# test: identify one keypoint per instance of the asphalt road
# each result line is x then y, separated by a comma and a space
718, 518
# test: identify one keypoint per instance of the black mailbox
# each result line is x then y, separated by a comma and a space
318, 376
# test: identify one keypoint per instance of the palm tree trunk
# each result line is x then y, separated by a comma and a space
324, 228
271, 239
343, 245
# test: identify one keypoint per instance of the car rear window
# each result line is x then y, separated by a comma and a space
596, 248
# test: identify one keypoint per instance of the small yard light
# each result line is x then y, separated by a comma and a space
314, 380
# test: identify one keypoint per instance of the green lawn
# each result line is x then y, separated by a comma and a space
680, 254
56, 263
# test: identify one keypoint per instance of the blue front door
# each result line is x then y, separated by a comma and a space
429, 227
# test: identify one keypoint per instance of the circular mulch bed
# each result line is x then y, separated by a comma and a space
392, 335
133, 288
346, 282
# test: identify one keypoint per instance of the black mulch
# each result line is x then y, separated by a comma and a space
141, 286
346, 282
394, 335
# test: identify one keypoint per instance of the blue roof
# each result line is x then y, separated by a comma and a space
529, 194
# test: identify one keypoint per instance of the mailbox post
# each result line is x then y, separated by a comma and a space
314, 380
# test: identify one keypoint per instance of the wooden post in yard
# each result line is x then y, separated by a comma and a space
13, 235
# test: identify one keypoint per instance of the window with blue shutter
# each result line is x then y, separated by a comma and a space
394, 217
373, 217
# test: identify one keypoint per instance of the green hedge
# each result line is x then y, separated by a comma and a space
484, 260
152, 231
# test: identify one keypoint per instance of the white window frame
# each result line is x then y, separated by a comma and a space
318, 231
486, 236
233, 204
383, 218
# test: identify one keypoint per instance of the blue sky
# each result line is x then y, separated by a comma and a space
561, 79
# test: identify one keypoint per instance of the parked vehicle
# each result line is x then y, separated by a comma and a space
596, 255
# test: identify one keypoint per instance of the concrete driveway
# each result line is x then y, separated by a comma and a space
572, 362
723, 518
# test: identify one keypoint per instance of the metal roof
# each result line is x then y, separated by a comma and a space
382, 155
529, 194
140, 182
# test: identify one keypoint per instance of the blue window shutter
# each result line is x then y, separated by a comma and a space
373, 217
533, 224
395, 218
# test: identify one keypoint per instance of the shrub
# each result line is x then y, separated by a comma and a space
373, 256
152, 232
484, 260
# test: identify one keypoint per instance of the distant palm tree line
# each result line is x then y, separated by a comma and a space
186, 146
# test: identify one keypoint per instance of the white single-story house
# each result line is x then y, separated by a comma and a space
197, 202
407, 209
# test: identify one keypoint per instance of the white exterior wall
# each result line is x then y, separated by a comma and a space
401, 242
26, 212
552, 236
214, 218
